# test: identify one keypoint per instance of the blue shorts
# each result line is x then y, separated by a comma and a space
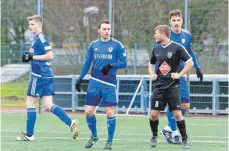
40, 87
184, 92
102, 96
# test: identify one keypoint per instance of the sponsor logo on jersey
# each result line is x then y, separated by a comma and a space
183, 40
102, 56
169, 54
110, 49
164, 68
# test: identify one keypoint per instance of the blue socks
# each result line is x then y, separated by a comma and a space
172, 121
59, 112
31, 119
91, 122
111, 124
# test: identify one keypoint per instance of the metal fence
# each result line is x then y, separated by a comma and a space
134, 94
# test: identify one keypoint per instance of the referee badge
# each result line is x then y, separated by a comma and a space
169, 54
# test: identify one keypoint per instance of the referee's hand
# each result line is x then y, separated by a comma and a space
154, 77
175, 76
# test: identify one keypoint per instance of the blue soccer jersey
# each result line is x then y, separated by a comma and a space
40, 46
184, 38
100, 54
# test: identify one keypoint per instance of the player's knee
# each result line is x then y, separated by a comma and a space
185, 106
154, 116
48, 106
89, 113
110, 113
30, 103
178, 117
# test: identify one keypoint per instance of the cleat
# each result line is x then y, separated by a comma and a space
167, 135
24, 137
91, 142
154, 141
108, 146
176, 140
185, 144
75, 128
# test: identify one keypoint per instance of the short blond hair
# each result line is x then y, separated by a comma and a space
163, 29
37, 18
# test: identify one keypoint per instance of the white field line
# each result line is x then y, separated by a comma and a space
215, 137
128, 140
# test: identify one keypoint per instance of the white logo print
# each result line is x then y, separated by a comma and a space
169, 55
157, 55
183, 40
110, 49
96, 49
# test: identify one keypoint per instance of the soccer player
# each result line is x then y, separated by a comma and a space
183, 37
163, 70
106, 55
41, 81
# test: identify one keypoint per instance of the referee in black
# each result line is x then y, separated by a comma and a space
163, 65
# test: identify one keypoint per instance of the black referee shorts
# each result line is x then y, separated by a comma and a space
162, 97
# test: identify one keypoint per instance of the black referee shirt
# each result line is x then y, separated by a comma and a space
166, 60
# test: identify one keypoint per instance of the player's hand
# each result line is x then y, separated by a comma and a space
199, 74
106, 69
26, 57
175, 76
78, 85
154, 77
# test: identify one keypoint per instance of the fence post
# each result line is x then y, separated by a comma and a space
135, 58
215, 97
74, 103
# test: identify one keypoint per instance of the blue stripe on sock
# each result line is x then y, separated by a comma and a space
171, 120
59, 112
91, 122
111, 124
31, 120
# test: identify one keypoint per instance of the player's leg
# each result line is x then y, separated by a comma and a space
92, 100
109, 102
185, 97
47, 98
32, 93
157, 104
175, 105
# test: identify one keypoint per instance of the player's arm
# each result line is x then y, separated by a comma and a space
47, 56
184, 55
151, 66
196, 65
87, 63
122, 63
86, 67
192, 53
43, 46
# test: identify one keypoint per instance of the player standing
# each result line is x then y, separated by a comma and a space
163, 70
106, 55
183, 37
41, 81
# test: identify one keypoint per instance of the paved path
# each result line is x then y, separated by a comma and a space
12, 72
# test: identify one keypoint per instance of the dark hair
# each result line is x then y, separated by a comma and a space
103, 22
163, 29
175, 13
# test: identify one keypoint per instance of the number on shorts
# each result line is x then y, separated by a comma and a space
156, 104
